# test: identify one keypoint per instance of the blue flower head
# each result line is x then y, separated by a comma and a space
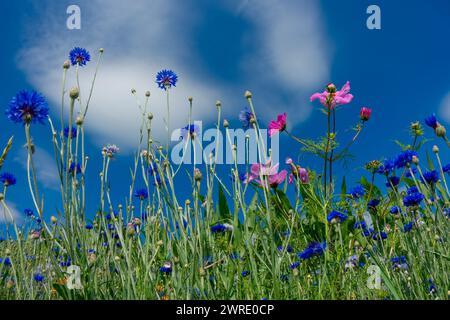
373, 204
245, 273
393, 181
404, 158
413, 198
7, 179
294, 265
395, 210
289, 249
357, 192
379, 236
191, 130
73, 170
431, 121
166, 268
336, 216
166, 79
430, 177
74, 132
39, 277
6, 262
27, 107
221, 228
79, 56
313, 249
387, 167
245, 116
408, 227
28, 212
360, 225
142, 194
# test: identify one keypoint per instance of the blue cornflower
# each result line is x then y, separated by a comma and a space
313, 249
431, 121
395, 210
412, 190
430, 177
65, 263
446, 168
245, 273
386, 167
432, 286
379, 236
6, 261
404, 158
142, 194
336, 217
220, 228
399, 263
74, 132
39, 277
447, 212
360, 225
191, 130
166, 79
408, 227
241, 176
8, 179
166, 268
367, 232
27, 107
79, 56
234, 256
245, 116
357, 192
89, 227
373, 204
413, 199
73, 169
392, 181
289, 249
294, 265
28, 212
408, 173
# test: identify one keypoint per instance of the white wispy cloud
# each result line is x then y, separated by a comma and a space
5, 216
287, 58
44, 163
445, 108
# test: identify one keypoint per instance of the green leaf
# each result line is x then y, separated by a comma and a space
343, 189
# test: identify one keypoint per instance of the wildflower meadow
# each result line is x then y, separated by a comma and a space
265, 229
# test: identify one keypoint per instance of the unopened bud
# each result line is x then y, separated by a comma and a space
53, 219
147, 94
226, 124
440, 131
415, 160
74, 93
66, 64
435, 149
248, 94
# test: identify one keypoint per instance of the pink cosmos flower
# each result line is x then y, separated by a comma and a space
330, 98
269, 174
277, 126
365, 113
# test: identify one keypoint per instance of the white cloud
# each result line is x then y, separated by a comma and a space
445, 107
287, 59
5, 216
45, 165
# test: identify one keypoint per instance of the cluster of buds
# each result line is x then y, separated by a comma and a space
297, 172
110, 150
373, 166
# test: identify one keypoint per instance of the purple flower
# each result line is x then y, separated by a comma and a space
245, 116
166, 79
8, 179
336, 217
27, 107
79, 56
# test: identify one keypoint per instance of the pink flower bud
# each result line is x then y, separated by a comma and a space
365, 113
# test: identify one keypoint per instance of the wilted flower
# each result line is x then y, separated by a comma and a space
166, 79
27, 107
79, 56
330, 98
277, 126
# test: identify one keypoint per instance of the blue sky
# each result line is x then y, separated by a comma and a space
281, 51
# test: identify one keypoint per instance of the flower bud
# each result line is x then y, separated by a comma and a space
226, 124
53, 219
79, 121
248, 94
101, 50
147, 94
133, 91
218, 104
415, 160
197, 175
440, 131
74, 93
365, 113
435, 149
66, 64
